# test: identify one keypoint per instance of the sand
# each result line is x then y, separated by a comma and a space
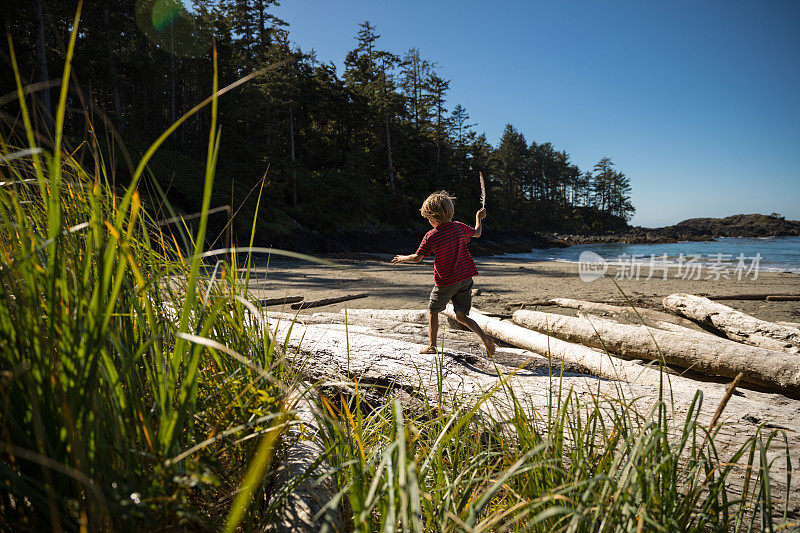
504, 284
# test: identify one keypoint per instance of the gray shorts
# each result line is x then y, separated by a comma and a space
459, 293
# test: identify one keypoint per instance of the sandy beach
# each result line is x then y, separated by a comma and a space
504, 284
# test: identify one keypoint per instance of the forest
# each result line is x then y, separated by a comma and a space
358, 149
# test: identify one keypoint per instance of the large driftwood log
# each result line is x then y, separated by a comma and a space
326, 355
312, 484
597, 362
627, 313
734, 324
400, 315
719, 357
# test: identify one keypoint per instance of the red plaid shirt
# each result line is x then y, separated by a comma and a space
448, 243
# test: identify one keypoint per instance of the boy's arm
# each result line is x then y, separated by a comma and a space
423, 250
412, 258
479, 216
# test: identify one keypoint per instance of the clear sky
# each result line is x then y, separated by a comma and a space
697, 102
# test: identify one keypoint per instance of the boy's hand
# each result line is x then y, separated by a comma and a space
413, 258
481, 214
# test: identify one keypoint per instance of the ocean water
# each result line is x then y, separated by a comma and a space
773, 254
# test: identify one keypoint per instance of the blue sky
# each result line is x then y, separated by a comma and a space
697, 102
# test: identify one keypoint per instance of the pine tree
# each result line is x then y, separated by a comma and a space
438, 88
370, 73
603, 179
512, 158
459, 125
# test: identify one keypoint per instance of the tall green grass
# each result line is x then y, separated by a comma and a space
138, 388
570, 465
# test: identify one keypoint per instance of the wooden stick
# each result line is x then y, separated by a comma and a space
721, 406
724, 402
483, 190
266, 302
748, 296
783, 298
328, 301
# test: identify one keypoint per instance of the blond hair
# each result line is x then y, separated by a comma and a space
439, 207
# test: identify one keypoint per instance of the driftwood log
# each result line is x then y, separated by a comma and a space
749, 296
702, 353
627, 313
734, 324
306, 473
598, 362
267, 302
328, 301
328, 354
783, 298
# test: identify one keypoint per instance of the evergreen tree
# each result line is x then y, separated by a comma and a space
512, 159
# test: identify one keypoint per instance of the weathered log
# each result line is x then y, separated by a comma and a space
734, 324
628, 313
267, 302
530, 303
328, 301
400, 315
789, 324
597, 362
745, 296
783, 298
716, 356
452, 379
313, 484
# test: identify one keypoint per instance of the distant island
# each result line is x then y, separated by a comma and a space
696, 229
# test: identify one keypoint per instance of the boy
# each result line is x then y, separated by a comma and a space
453, 267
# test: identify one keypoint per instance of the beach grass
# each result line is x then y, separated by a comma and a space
573, 466
140, 390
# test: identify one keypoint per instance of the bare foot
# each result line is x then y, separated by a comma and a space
489, 343
429, 349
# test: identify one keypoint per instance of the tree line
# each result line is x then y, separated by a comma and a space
334, 150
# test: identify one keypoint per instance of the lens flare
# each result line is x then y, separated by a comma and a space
173, 28
165, 12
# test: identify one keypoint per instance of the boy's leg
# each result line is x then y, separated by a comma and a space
439, 298
433, 330
471, 324
462, 302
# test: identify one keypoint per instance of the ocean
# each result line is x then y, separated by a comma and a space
773, 254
